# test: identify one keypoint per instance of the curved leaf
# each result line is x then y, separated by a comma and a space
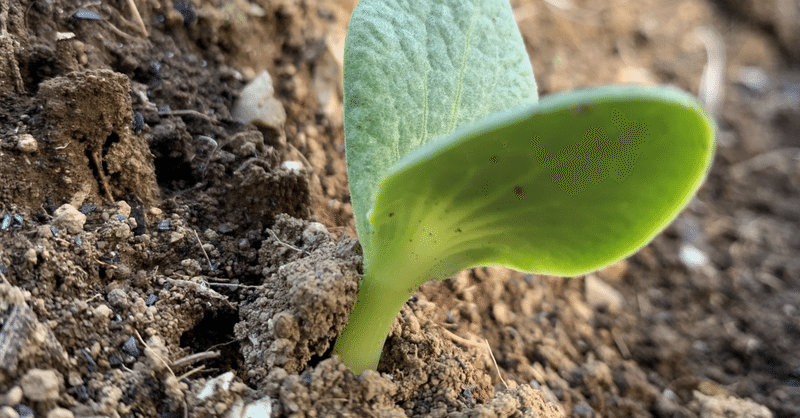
563, 187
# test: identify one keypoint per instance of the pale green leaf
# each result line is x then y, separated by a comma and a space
416, 70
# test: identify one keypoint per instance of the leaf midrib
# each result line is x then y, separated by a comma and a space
461, 73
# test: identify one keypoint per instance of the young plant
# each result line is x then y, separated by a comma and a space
454, 163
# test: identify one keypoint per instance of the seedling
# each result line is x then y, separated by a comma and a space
453, 162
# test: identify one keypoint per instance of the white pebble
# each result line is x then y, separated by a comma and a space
69, 218
599, 293
27, 143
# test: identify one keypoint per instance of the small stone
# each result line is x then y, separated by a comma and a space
68, 218
583, 410
102, 311
8, 412
600, 294
218, 384
615, 272
258, 105
210, 234
191, 266
74, 378
729, 406
502, 314
294, 167
23, 411
693, 257
60, 413
124, 208
87, 208
31, 257
63, 36
313, 231
165, 225
40, 385
138, 123
151, 299
118, 299
83, 14
13, 396
27, 144
175, 237
130, 348
261, 408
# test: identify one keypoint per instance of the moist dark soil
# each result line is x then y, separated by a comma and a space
159, 257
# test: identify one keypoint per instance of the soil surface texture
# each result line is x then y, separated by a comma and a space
159, 257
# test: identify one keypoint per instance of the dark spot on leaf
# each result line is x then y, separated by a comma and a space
391, 214
582, 109
519, 191
493, 159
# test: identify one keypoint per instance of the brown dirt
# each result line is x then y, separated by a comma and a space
158, 258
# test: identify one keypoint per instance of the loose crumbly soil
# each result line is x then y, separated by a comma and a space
158, 258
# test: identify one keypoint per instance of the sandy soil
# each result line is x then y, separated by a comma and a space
158, 258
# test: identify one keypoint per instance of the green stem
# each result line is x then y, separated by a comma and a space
361, 343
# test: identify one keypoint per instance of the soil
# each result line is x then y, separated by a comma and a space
159, 258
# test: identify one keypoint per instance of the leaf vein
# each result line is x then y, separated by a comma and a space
462, 72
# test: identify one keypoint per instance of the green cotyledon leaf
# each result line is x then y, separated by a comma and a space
564, 187
415, 70
453, 164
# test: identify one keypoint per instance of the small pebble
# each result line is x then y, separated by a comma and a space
23, 411
599, 294
60, 413
130, 347
8, 412
138, 123
40, 385
164, 225
87, 208
27, 144
693, 257
69, 219
83, 14
13, 396
102, 311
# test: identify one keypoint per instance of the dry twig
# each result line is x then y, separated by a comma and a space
210, 266
137, 17
287, 245
495, 364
